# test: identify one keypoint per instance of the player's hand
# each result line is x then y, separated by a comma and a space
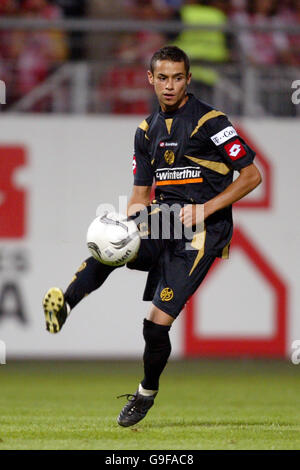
192, 214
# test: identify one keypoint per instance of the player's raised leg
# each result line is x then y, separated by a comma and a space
89, 277
55, 309
58, 305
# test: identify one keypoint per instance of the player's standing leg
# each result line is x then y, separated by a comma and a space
181, 273
156, 354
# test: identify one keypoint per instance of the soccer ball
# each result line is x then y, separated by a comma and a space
112, 239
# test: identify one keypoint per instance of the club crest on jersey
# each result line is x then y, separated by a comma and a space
235, 149
169, 157
166, 294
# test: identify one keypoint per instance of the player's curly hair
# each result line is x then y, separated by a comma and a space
172, 53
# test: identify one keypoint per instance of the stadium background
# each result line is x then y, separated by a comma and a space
75, 76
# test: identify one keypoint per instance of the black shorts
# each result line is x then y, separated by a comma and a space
176, 266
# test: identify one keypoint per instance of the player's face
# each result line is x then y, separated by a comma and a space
170, 82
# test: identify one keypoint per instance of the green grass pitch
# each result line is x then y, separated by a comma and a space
202, 404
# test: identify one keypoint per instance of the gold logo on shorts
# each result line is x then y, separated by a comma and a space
166, 294
169, 157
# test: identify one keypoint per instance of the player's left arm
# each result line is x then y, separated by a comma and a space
248, 179
239, 156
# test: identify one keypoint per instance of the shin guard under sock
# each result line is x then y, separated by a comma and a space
156, 354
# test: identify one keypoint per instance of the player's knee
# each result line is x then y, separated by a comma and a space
157, 336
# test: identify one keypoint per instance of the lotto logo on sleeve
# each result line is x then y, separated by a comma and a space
235, 149
134, 165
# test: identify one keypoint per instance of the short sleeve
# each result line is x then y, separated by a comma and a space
233, 149
142, 169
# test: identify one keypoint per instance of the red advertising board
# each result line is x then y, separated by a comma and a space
12, 198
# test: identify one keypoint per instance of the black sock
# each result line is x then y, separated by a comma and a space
156, 354
89, 277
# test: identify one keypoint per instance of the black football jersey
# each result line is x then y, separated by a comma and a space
190, 155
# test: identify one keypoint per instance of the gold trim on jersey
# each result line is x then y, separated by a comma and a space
169, 123
144, 125
225, 251
198, 243
219, 167
155, 211
210, 115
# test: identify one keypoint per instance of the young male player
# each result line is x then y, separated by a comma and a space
191, 150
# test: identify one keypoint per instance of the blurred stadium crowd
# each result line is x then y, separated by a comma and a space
117, 60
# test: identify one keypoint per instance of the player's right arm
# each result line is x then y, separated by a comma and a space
140, 197
143, 174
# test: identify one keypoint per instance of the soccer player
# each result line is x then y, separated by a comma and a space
191, 151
